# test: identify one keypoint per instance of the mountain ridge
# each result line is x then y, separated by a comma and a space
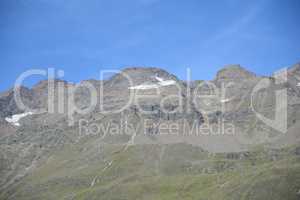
170, 129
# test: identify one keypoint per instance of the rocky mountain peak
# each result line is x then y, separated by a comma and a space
92, 81
235, 72
44, 84
147, 72
139, 75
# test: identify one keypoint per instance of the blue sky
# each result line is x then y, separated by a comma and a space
83, 37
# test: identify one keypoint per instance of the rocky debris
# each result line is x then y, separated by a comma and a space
6, 128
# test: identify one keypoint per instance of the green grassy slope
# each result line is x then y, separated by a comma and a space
179, 171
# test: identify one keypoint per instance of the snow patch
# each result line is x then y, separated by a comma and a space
225, 100
144, 87
161, 82
159, 79
298, 84
166, 83
14, 120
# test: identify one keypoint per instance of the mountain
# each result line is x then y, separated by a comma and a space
151, 135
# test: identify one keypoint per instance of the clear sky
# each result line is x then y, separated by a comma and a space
82, 37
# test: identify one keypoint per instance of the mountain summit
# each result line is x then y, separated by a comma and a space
234, 72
